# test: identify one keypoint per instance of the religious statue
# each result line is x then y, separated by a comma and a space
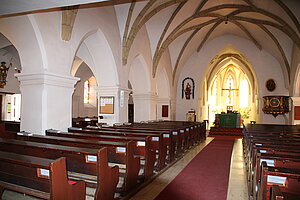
188, 88
187, 91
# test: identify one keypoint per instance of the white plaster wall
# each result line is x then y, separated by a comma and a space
265, 67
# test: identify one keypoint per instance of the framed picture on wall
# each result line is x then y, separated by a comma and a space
106, 105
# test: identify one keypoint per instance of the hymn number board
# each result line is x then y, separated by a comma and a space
106, 105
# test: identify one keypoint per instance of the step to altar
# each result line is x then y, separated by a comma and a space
230, 131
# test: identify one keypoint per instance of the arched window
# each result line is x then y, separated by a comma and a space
86, 92
244, 93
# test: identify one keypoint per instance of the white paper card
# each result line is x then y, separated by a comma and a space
276, 179
174, 133
263, 151
91, 158
141, 143
166, 136
44, 172
269, 162
155, 138
121, 150
181, 131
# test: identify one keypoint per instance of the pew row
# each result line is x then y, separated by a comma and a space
144, 149
39, 177
86, 164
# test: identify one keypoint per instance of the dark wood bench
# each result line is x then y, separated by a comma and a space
289, 182
129, 160
144, 149
160, 140
82, 163
39, 177
277, 194
172, 139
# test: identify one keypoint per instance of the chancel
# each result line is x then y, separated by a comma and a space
131, 99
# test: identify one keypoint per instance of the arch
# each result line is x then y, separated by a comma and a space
228, 59
80, 108
30, 48
139, 76
96, 52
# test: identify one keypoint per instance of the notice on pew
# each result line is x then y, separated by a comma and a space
43, 173
270, 163
174, 132
155, 138
121, 150
24, 133
141, 143
90, 159
276, 179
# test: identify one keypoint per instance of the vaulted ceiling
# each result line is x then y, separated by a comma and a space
271, 25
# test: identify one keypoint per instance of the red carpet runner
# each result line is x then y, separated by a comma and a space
205, 177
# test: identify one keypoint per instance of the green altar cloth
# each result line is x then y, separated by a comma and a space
229, 120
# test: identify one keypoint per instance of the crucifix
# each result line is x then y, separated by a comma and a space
229, 95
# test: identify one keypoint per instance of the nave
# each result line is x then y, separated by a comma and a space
237, 186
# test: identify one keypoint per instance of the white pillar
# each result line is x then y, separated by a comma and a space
144, 107
121, 96
46, 101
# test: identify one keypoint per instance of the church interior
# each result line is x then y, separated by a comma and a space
150, 99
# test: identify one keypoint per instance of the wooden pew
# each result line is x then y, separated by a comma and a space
277, 194
159, 140
290, 183
40, 177
281, 144
92, 162
173, 139
277, 160
144, 149
182, 140
131, 162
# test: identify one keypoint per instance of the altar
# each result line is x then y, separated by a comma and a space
228, 120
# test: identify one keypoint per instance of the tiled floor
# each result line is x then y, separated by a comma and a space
237, 189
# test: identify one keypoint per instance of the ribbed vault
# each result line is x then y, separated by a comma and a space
267, 24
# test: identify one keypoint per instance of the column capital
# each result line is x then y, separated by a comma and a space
46, 78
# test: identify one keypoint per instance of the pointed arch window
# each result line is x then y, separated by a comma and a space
86, 92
